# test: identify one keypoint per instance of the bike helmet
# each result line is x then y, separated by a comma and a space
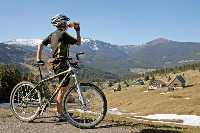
59, 19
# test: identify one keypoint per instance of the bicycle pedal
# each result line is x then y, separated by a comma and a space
44, 108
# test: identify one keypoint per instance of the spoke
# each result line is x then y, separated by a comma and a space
20, 93
18, 97
20, 108
22, 90
84, 121
92, 113
25, 101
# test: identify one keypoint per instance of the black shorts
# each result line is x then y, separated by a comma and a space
61, 68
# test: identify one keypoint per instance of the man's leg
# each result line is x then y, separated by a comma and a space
60, 98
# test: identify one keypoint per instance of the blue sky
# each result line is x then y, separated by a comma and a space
115, 21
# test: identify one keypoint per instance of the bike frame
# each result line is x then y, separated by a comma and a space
69, 73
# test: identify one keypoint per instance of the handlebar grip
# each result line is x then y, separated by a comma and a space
38, 64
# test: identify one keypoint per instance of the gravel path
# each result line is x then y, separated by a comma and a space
45, 124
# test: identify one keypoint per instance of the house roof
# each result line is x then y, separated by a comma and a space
159, 82
178, 77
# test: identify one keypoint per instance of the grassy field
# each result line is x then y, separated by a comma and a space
180, 101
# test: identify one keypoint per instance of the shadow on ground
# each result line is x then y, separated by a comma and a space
49, 119
145, 128
142, 127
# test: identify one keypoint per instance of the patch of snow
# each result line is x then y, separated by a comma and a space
115, 111
191, 120
82, 111
169, 92
187, 98
146, 91
85, 40
34, 42
162, 93
95, 48
7, 47
140, 70
140, 119
131, 113
186, 61
26, 42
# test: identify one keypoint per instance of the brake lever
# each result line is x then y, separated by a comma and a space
77, 55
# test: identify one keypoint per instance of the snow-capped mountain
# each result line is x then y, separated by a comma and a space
23, 41
91, 43
85, 40
113, 58
96, 51
33, 42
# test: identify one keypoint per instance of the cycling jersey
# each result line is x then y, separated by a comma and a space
60, 42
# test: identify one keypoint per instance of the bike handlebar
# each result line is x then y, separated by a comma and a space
61, 58
78, 54
38, 64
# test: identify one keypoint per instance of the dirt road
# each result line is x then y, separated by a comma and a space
46, 124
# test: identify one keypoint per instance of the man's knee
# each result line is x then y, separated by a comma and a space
62, 91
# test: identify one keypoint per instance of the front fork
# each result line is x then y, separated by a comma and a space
80, 93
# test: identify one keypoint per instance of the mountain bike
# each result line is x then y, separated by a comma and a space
84, 104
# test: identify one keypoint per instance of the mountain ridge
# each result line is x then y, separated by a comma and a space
118, 59
35, 41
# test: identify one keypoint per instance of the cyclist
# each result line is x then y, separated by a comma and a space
60, 42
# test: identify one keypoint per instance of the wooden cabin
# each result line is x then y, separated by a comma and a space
156, 84
178, 82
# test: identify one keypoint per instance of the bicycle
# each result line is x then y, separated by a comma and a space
84, 104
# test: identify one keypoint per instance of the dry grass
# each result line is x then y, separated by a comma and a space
182, 101
150, 127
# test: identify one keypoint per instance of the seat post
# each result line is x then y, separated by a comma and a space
40, 72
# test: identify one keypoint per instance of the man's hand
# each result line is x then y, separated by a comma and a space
77, 26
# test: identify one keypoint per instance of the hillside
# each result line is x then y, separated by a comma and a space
23, 56
114, 59
166, 53
137, 100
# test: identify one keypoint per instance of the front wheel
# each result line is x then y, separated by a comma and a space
85, 116
25, 101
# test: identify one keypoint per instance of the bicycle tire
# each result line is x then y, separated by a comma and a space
13, 108
68, 115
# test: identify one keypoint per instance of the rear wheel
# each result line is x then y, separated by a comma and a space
90, 115
25, 101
